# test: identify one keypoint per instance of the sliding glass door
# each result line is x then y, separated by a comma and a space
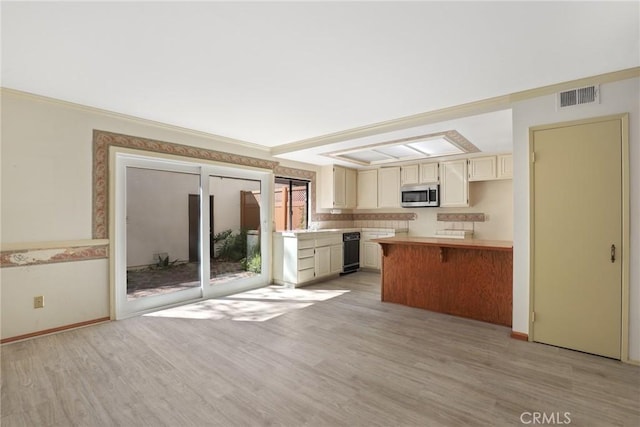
164, 225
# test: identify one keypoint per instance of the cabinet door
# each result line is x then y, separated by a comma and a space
367, 194
336, 259
389, 187
323, 261
505, 166
482, 168
454, 184
371, 255
339, 187
429, 173
410, 174
350, 188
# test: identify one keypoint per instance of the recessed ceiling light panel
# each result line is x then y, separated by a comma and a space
413, 148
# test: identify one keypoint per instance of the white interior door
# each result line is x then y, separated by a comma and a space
577, 236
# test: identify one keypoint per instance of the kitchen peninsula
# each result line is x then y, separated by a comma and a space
464, 277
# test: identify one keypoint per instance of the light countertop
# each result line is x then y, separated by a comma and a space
298, 233
499, 245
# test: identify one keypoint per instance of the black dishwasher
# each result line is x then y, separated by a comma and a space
351, 257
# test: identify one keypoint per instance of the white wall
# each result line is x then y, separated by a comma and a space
493, 198
73, 292
617, 97
46, 196
158, 214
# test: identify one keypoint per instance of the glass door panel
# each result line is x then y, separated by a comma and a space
161, 247
235, 237
291, 204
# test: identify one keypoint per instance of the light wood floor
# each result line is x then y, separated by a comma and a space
317, 358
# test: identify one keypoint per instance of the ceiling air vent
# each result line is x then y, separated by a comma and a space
583, 95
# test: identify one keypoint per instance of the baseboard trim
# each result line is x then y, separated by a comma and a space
54, 330
519, 336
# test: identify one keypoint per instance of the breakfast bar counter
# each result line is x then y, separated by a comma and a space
464, 277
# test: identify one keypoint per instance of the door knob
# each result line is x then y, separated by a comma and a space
613, 253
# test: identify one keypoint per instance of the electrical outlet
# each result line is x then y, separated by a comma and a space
38, 302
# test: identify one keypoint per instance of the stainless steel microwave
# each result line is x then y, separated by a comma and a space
419, 196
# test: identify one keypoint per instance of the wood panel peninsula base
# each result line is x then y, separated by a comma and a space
467, 277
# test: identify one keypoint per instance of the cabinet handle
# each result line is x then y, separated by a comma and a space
613, 253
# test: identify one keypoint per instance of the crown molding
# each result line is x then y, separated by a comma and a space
139, 120
614, 76
450, 113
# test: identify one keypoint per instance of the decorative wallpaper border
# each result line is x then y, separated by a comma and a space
288, 172
325, 216
27, 257
102, 140
461, 217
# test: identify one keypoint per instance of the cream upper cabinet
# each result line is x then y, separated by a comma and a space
389, 187
351, 186
454, 183
367, 194
429, 173
491, 167
337, 187
505, 166
425, 173
482, 168
410, 174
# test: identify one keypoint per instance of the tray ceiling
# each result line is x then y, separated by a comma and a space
419, 147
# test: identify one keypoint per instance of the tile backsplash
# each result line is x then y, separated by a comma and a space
396, 220
381, 224
323, 225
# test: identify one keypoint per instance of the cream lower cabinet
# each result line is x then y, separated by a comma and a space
298, 260
370, 252
323, 261
370, 255
337, 258
328, 260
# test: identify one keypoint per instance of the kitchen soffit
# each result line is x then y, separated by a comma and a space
412, 148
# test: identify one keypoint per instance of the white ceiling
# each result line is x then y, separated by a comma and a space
278, 73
